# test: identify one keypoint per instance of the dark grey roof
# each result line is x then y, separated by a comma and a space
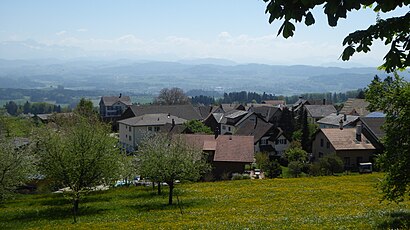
257, 128
110, 100
374, 125
186, 112
204, 110
334, 119
152, 119
318, 111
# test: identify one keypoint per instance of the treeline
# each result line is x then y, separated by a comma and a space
234, 97
252, 97
34, 108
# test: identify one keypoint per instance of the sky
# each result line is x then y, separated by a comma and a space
237, 30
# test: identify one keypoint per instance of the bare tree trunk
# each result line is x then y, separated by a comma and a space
171, 190
76, 201
159, 188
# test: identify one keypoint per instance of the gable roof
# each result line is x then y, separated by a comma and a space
274, 102
355, 106
334, 119
318, 111
266, 112
204, 110
111, 100
345, 139
257, 128
186, 112
152, 119
374, 126
227, 148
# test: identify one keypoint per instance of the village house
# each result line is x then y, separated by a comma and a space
348, 143
372, 129
355, 106
227, 153
336, 120
134, 129
112, 107
187, 112
317, 112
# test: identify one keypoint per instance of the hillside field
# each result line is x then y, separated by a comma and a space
334, 202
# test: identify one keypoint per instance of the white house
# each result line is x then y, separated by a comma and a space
134, 129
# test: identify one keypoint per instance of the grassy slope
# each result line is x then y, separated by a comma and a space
322, 202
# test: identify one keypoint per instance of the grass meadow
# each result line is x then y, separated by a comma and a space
334, 202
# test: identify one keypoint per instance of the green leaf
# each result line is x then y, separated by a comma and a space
288, 30
347, 53
309, 19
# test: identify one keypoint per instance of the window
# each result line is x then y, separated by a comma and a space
321, 142
229, 129
320, 154
223, 127
156, 129
129, 138
129, 128
149, 128
264, 141
328, 144
359, 160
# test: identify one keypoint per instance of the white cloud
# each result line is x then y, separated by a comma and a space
241, 48
82, 30
61, 33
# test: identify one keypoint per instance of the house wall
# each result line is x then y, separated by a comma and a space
221, 167
281, 145
227, 129
130, 139
319, 150
352, 158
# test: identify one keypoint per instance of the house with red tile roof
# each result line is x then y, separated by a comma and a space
227, 153
348, 143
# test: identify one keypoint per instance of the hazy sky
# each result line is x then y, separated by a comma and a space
171, 30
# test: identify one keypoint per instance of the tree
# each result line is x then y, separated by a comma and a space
195, 126
393, 31
85, 107
11, 108
305, 132
331, 164
79, 155
392, 97
270, 168
296, 153
26, 107
16, 165
166, 159
173, 96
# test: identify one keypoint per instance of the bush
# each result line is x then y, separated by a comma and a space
295, 168
237, 176
273, 169
331, 164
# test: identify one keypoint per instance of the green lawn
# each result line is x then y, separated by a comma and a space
343, 202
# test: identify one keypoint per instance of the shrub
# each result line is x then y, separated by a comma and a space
295, 168
331, 164
237, 176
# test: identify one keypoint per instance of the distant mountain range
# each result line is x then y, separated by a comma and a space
204, 74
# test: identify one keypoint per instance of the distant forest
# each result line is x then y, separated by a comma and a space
252, 97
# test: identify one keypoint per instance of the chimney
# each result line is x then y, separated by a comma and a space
324, 101
173, 123
230, 137
120, 95
344, 117
341, 124
337, 113
359, 133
